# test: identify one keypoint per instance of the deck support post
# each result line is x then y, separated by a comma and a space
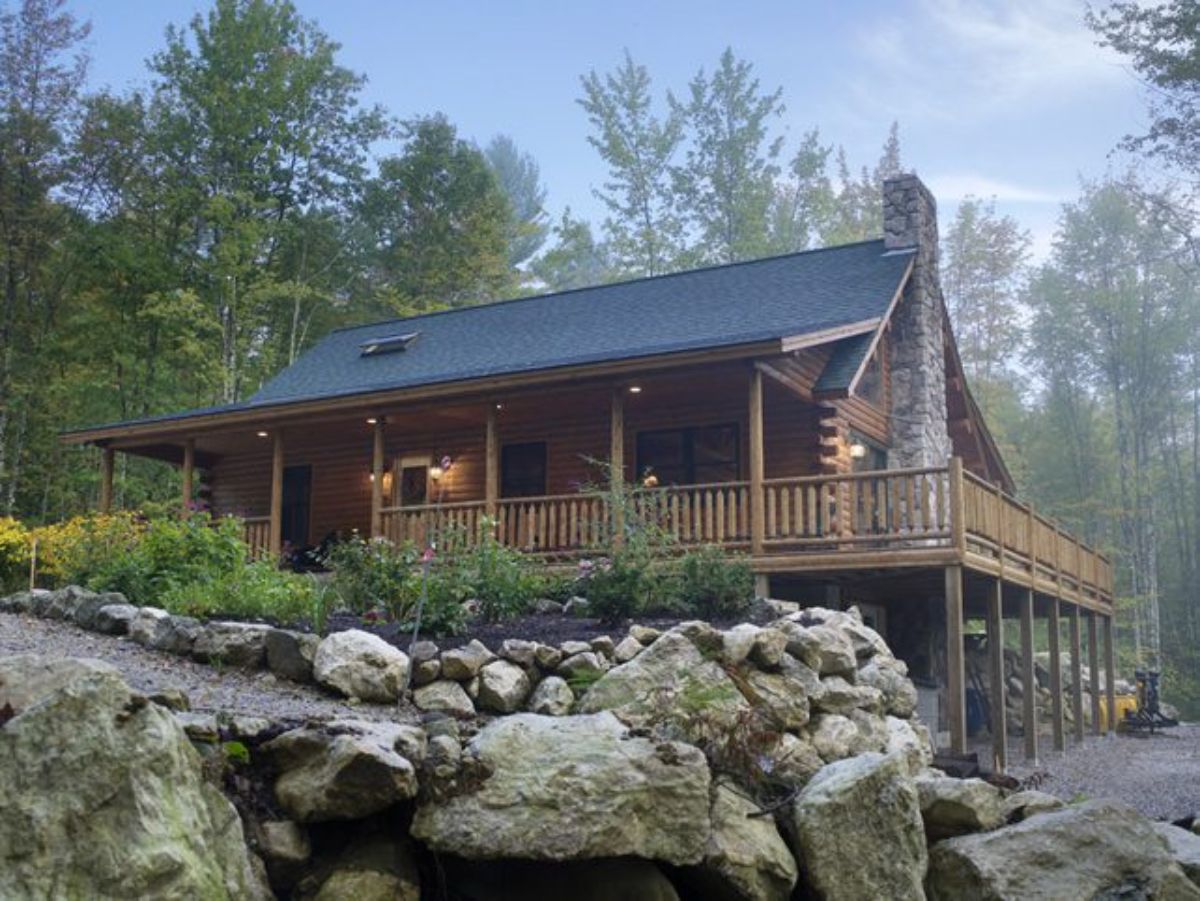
995, 642
758, 520
616, 465
1076, 673
1029, 707
1094, 669
491, 464
377, 446
956, 677
275, 537
1110, 675
107, 455
189, 469
1054, 629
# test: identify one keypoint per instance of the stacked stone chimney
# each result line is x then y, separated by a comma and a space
920, 436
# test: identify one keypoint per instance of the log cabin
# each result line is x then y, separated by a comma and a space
809, 410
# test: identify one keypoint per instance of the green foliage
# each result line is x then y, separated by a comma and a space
377, 574
169, 554
617, 588
236, 753
714, 584
520, 179
502, 579
14, 553
257, 590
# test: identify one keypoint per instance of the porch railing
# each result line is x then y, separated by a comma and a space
256, 532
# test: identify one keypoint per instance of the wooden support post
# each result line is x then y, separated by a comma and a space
1054, 628
491, 465
758, 518
1110, 674
616, 463
958, 521
189, 469
106, 479
1029, 708
999, 706
275, 535
377, 450
1094, 669
956, 677
1076, 672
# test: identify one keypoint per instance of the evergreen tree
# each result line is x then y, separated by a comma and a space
520, 179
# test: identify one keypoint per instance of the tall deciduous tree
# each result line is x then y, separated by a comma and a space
439, 222
804, 200
642, 226
576, 259
727, 179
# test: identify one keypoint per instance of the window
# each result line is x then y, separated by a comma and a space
690, 456
523, 469
387, 344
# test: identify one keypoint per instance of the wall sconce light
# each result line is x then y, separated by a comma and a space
858, 450
438, 471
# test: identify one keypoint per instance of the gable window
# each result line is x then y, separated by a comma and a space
523, 469
690, 456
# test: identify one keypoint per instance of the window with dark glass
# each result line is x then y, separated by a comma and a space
523, 469
690, 456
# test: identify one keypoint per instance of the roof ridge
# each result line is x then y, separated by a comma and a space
487, 305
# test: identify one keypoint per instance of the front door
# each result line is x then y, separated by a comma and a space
413, 486
297, 502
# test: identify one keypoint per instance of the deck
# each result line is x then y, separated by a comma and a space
868, 520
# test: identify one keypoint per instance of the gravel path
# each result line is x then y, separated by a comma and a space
252, 693
1158, 774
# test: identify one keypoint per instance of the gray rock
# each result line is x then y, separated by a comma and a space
380, 869
603, 645
346, 769
21, 602
576, 606
951, 807
1024, 804
503, 687
290, 654
61, 604
1097, 849
858, 831
736, 643
793, 760
833, 736
839, 696
444, 696
521, 652
584, 667
444, 755
707, 638
361, 665
765, 607
552, 697
836, 652
568, 788
89, 606
114, 619
243, 645
628, 648
909, 741
284, 847
779, 696
547, 657
144, 628
644, 635
85, 756
426, 671
770, 648
177, 635
801, 643
899, 694
571, 648
463, 664
746, 855
1184, 848
421, 651
873, 733
172, 698
547, 607
200, 727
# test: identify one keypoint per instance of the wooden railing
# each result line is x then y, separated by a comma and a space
899, 506
256, 532
553, 524
1021, 540
446, 525
714, 513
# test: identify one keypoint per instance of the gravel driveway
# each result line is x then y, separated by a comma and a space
253, 693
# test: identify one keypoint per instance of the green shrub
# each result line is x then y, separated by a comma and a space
75, 550
713, 584
257, 590
616, 588
170, 553
377, 574
14, 553
502, 579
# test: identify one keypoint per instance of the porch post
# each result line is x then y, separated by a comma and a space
1029, 707
275, 539
758, 521
1054, 628
491, 464
1076, 673
1110, 676
106, 479
995, 640
1094, 670
377, 478
616, 464
956, 677
189, 467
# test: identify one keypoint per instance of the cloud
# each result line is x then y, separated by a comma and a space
948, 59
954, 187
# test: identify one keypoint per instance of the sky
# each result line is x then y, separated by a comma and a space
1008, 99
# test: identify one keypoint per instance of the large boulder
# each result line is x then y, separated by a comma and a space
102, 795
1184, 846
1098, 849
345, 769
503, 687
669, 682
242, 645
568, 788
146, 626
291, 654
953, 807
361, 665
114, 619
858, 832
746, 857
177, 635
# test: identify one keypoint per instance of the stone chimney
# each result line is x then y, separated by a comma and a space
920, 436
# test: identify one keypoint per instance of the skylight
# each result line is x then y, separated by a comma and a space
386, 344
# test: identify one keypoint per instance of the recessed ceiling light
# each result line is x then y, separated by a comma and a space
499, 406
635, 389
261, 434
372, 421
